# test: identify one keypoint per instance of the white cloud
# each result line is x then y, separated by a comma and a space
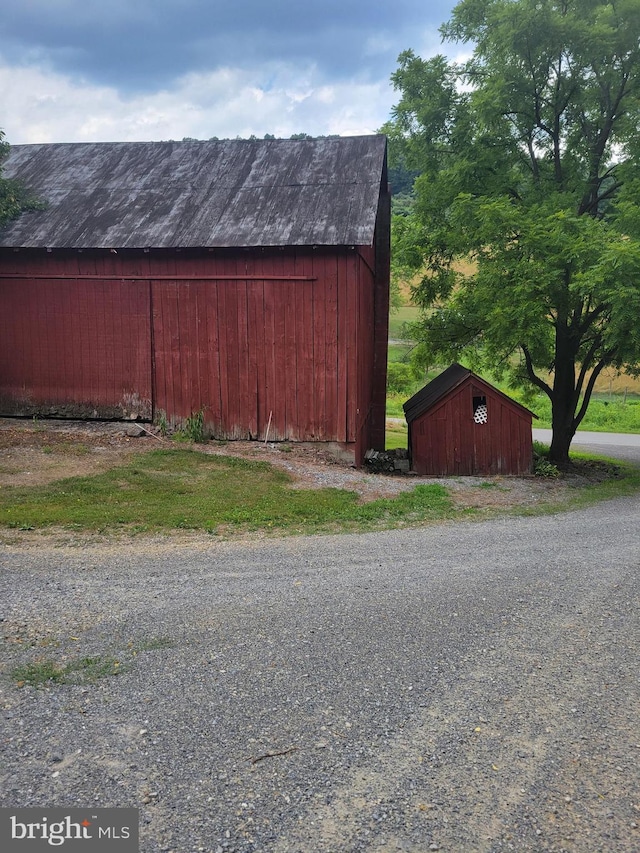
42, 106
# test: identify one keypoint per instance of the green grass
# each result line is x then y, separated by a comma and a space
394, 405
400, 352
397, 319
82, 671
627, 483
603, 414
396, 436
184, 489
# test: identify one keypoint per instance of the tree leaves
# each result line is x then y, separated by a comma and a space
13, 197
529, 161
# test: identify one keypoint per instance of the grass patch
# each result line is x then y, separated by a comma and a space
81, 671
400, 316
395, 403
400, 352
396, 436
186, 489
605, 413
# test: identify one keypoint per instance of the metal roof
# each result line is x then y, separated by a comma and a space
451, 378
278, 192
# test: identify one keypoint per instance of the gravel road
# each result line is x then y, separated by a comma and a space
462, 687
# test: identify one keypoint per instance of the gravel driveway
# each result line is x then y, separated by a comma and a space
462, 687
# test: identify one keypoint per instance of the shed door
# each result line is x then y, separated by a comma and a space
75, 348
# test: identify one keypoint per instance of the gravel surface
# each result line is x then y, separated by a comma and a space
463, 687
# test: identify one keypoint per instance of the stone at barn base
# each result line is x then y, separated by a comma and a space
135, 432
387, 461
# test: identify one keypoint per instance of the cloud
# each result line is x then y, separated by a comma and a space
141, 45
223, 103
88, 70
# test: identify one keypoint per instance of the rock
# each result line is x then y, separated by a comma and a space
134, 431
388, 461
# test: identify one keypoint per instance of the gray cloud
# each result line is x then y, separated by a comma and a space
143, 45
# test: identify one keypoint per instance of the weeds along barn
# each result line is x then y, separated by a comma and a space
247, 279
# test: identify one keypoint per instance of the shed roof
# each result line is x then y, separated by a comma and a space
447, 381
278, 192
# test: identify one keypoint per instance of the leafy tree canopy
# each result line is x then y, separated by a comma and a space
528, 156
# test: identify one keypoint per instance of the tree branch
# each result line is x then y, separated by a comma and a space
597, 370
535, 379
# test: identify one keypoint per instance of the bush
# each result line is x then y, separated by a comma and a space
400, 378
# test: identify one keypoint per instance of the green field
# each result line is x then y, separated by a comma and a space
397, 319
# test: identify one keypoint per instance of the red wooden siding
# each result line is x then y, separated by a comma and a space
261, 340
445, 440
280, 350
72, 349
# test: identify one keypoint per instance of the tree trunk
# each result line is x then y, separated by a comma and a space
562, 433
564, 398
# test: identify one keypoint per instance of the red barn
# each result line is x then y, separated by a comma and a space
459, 424
245, 279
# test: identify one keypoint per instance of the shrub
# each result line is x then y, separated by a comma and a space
400, 378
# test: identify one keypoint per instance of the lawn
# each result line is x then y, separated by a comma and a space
190, 490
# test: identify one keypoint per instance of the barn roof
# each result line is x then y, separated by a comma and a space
279, 192
445, 382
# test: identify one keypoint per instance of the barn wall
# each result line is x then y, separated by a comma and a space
381, 264
445, 440
272, 352
71, 349
277, 340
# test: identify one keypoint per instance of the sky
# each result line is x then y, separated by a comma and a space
137, 70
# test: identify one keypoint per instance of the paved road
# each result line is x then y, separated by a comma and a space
464, 687
617, 445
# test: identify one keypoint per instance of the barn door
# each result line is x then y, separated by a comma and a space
75, 348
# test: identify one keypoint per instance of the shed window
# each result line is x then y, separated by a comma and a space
480, 415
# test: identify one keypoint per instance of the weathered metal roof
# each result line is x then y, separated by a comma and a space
451, 378
278, 192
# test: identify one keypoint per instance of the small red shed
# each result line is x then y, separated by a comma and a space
247, 279
460, 424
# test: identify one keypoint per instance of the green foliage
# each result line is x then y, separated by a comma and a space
543, 467
14, 199
529, 174
84, 670
193, 428
400, 378
163, 424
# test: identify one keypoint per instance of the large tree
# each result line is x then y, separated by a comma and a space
529, 158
